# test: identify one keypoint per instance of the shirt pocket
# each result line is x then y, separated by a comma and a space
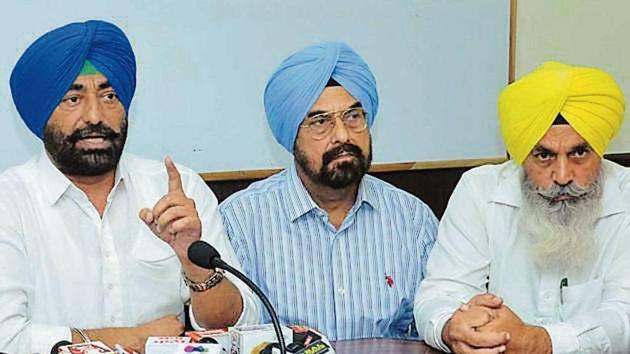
581, 298
156, 272
148, 248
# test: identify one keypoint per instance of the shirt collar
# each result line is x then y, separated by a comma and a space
612, 203
300, 201
366, 194
57, 184
509, 188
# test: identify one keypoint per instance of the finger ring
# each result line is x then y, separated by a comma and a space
172, 232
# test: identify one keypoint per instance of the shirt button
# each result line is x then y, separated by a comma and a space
110, 286
342, 291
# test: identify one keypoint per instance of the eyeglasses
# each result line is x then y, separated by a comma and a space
321, 125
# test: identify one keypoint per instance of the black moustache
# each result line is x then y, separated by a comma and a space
335, 152
94, 131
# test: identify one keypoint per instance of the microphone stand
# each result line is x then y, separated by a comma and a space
216, 262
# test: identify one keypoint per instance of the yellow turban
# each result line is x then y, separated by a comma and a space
589, 99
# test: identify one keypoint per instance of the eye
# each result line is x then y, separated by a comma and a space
580, 152
543, 156
320, 120
353, 114
71, 101
110, 97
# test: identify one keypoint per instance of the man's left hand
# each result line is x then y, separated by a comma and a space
523, 338
174, 218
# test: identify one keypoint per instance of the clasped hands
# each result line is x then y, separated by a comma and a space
485, 325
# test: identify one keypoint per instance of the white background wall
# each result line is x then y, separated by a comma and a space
579, 32
203, 65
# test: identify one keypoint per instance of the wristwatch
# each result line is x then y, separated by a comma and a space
212, 281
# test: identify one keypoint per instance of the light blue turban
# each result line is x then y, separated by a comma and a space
299, 81
47, 69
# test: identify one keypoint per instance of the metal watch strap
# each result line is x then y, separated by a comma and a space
211, 282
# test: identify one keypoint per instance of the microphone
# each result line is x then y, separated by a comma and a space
88, 347
204, 255
58, 345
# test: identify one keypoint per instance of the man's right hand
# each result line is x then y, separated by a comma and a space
460, 332
135, 337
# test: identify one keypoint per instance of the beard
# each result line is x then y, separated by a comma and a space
74, 161
339, 175
561, 232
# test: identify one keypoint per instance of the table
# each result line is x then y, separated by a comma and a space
382, 346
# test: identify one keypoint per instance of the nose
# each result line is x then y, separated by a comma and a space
340, 131
93, 113
563, 173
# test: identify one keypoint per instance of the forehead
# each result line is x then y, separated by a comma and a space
89, 80
333, 98
561, 137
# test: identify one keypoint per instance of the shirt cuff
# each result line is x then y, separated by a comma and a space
564, 339
44, 337
435, 339
250, 314
193, 322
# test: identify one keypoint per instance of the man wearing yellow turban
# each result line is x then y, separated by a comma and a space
533, 256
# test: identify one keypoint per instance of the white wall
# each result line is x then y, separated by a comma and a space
580, 32
203, 65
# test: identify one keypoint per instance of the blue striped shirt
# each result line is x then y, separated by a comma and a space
357, 281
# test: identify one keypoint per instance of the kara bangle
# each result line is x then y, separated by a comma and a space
211, 282
82, 334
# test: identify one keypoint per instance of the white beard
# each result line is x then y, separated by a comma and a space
561, 234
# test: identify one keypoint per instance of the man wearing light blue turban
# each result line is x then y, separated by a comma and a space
332, 247
300, 79
77, 262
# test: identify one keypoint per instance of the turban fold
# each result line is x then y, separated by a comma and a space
589, 99
49, 66
300, 79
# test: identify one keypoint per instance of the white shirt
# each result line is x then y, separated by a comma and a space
478, 239
62, 265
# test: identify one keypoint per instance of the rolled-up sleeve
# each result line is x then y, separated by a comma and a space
214, 234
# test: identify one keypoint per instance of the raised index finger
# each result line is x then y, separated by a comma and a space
174, 179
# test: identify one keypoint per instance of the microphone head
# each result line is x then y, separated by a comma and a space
204, 255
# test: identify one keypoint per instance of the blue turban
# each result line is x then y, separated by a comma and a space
299, 81
47, 69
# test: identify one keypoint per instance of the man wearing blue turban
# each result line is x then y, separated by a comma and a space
332, 247
77, 262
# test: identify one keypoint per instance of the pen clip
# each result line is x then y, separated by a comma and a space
563, 284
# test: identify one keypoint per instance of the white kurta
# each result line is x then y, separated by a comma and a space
479, 240
62, 265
